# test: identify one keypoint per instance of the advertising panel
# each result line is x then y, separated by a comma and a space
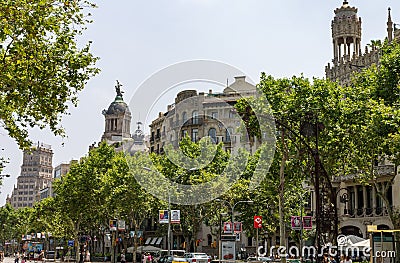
163, 216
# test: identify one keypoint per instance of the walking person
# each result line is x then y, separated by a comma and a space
123, 260
16, 260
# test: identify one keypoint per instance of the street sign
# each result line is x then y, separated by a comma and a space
257, 222
70, 243
237, 227
237, 236
228, 227
163, 217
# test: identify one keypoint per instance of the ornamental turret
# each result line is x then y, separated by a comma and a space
346, 33
117, 119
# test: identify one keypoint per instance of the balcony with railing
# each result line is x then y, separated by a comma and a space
193, 121
379, 171
366, 212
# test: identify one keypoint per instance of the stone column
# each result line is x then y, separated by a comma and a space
355, 197
345, 47
364, 198
335, 49
373, 200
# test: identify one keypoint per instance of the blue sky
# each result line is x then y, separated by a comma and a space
135, 39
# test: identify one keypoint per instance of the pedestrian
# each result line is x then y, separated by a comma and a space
16, 260
87, 256
348, 260
123, 260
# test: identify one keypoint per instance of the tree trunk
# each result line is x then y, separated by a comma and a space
282, 232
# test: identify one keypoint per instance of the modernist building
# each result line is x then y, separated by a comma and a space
36, 174
198, 115
346, 40
360, 205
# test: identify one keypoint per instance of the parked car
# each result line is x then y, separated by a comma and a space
260, 259
165, 259
195, 257
49, 256
177, 259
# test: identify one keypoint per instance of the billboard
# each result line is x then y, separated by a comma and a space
228, 227
163, 216
175, 216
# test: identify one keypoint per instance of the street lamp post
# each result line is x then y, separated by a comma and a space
232, 207
220, 235
344, 198
301, 195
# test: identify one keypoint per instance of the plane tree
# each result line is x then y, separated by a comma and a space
42, 66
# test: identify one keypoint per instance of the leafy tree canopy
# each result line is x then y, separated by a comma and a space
41, 66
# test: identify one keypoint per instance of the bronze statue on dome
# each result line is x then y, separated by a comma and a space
118, 89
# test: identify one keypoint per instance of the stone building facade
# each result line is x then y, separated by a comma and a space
360, 205
36, 174
198, 115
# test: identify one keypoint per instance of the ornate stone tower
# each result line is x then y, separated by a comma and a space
117, 119
347, 53
346, 33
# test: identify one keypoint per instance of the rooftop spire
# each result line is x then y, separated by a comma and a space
345, 2
389, 26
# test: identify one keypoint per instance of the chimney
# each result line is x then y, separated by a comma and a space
240, 79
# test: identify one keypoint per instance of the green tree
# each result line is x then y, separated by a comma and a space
80, 196
126, 198
193, 215
42, 67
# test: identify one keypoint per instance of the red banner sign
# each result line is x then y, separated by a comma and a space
257, 222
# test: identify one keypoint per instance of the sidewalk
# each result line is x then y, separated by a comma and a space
11, 260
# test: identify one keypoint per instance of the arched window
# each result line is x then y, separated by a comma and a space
213, 134
195, 117
228, 134
184, 117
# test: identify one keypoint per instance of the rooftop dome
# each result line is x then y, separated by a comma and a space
118, 106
